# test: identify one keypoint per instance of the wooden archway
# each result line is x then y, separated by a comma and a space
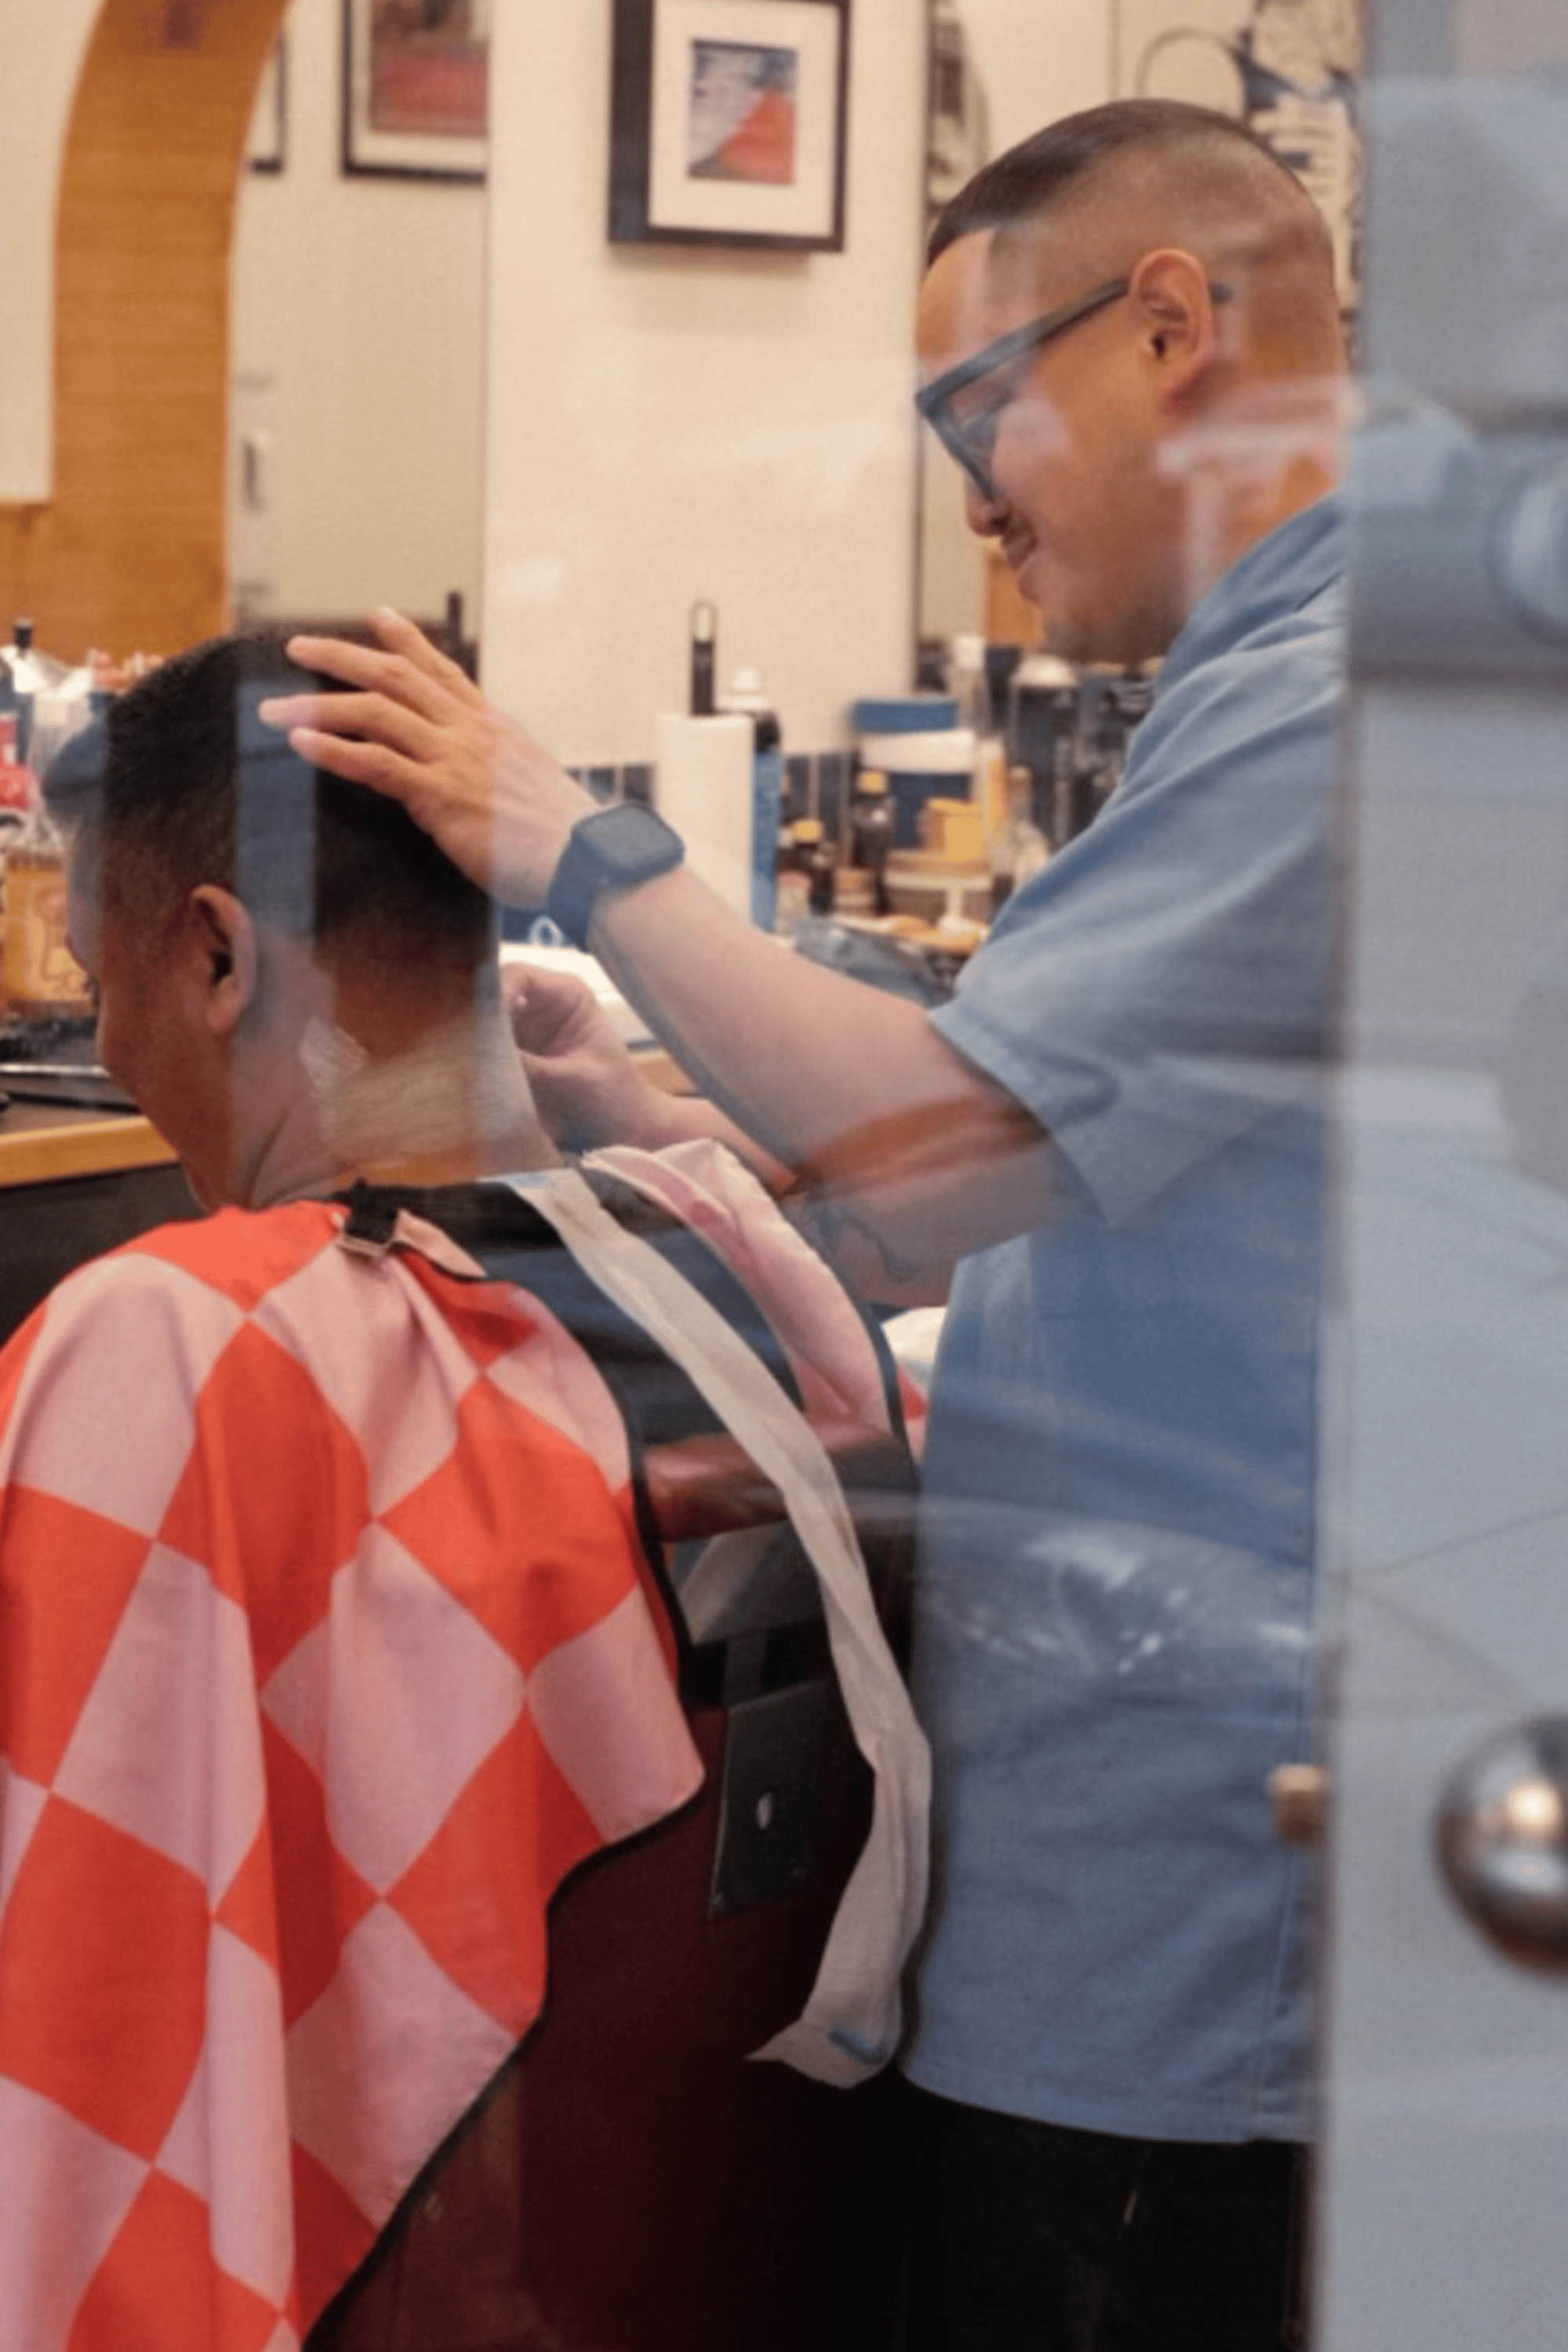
129, 550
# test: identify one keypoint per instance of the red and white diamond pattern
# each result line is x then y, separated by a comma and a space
326, 1650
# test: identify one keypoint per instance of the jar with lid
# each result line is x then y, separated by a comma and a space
42, 979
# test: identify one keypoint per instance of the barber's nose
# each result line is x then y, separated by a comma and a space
984, 511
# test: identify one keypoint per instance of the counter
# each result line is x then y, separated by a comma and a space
42, 1141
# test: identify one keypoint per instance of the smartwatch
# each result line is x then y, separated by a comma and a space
613, 850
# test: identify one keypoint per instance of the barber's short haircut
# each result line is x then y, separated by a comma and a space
1030, 178
182, 783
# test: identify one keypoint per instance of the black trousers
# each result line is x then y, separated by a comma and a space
1026, 2237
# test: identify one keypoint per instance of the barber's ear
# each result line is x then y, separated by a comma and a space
226, 956
1175, 307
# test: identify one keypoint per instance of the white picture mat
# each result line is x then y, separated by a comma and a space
740, 208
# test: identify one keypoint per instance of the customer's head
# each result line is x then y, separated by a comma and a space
1213, 276
229, 902
186, 786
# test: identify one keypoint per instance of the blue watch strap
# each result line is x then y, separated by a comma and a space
613, 850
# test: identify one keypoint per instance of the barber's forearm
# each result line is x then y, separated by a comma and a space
906, 1157
794, 1053
682, 1118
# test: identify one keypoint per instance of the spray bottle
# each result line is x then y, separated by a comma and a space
767, 792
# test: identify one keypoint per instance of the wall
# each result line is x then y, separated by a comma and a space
44, 44
358, 332
127, 548
1037, 59
360, 301
664, 424
670, 424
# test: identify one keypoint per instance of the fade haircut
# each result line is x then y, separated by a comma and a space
182, 784
1031, 177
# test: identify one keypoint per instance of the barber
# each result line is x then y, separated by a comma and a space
1108, 1147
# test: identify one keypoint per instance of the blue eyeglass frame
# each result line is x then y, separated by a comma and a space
970, 445
934, 401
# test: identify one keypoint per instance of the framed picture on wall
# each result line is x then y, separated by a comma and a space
417, 88
1291, 69
728, 123
266, 140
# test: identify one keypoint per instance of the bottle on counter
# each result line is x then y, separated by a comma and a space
793, 894
10, 711
820, 865
19, 793
1017, 848
972, 686
746, 696
806, 877
30, 673
102, 681
872, 820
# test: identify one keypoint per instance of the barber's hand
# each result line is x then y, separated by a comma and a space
418, 728
588, 1088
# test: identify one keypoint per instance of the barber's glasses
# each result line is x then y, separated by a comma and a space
967, 428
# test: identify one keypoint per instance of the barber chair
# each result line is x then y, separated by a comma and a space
632, 2182
48, 1229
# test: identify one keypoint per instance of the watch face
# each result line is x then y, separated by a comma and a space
630, 844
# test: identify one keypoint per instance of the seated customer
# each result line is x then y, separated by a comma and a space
327, 1645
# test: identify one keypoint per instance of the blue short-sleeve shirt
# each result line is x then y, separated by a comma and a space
1112, 1641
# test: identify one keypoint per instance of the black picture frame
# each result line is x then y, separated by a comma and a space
764, 86
456, 149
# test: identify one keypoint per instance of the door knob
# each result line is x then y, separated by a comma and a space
1298, 1799
1502, 1835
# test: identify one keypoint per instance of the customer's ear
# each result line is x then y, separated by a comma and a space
226, 953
